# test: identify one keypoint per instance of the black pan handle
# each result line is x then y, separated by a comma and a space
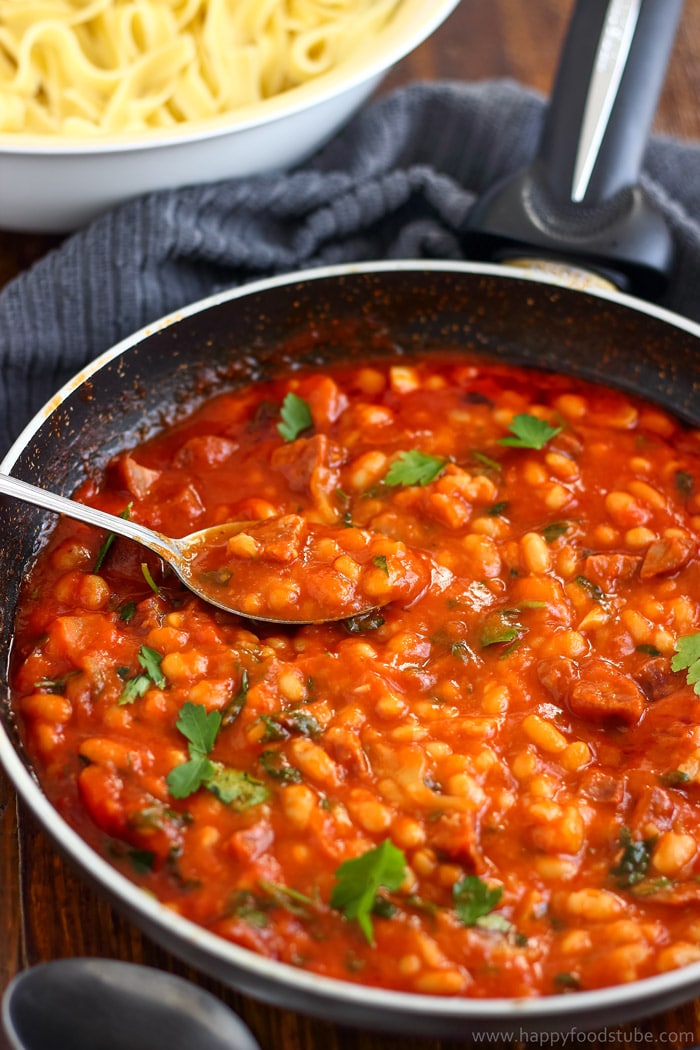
579, 200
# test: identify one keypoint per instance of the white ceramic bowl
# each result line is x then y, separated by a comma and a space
53, 185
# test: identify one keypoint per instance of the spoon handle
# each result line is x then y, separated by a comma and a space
22, 490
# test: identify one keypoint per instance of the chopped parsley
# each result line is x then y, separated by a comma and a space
554, 530
146, 573
684, 482
565, 981
287, 897
236, 788
687, 658
648, 650
414, 468
237, 702
474, 901
461, 651
491, 466
593, 589
358, 882
499, 627
55, 685
142, 860
109, 540
634, 861
529, 432
246, 906
295, 417
277, 767
674, 778
379, 562
282, 725
104, 549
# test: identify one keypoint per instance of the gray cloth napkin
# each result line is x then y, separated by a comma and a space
398, 182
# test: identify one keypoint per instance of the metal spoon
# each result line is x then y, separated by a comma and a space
188, 555
86, 1003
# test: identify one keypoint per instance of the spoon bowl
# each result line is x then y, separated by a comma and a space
283, 570
86, 1003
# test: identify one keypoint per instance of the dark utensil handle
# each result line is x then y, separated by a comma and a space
607, 88
579, 199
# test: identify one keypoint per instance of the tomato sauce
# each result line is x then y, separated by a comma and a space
487, 788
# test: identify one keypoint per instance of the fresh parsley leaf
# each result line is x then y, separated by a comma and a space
634, 860
237, 702
199, 726
200, 729
185, 779
127, 611
529, 432
134, 688
414, 468
236, 788
687, 658
499, 627
150, 661
474, 900
358, 881
295, 417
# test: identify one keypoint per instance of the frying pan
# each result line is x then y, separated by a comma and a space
394, 309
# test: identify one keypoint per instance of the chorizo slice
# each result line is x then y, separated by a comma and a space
667, 555
594, 690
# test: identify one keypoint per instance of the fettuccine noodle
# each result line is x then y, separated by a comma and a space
95, 67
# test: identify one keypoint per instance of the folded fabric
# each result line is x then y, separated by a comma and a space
398, 182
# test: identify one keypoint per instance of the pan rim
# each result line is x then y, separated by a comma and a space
319, 273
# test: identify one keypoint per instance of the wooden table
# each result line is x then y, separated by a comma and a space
46, 911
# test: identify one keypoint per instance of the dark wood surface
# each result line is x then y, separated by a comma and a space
46, 910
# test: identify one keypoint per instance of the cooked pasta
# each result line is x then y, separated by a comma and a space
96, 67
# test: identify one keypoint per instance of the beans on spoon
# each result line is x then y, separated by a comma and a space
284, 570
